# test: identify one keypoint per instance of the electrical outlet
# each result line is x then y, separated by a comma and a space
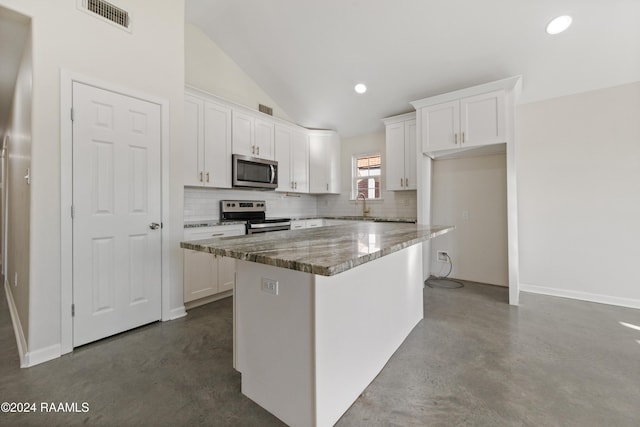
443, 256
270, 286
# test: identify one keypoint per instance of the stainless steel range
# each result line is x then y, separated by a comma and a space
254, 213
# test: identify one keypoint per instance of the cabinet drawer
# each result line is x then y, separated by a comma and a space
202, 233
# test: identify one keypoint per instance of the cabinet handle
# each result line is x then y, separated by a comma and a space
207, 176
201, 177
295, 185
455, 138
463, 137
406, 182
217, 234
258, 149
291, 186
327, 186
400, 182
253, 149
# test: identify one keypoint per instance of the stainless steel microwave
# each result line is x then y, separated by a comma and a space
252, 172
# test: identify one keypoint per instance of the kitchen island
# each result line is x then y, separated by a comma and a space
319, 312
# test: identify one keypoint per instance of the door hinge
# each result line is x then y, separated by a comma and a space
73, 310
71, 113
73, 212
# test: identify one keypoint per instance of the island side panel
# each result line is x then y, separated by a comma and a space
362, 316
274, 340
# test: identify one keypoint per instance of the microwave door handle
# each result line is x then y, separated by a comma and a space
273, 174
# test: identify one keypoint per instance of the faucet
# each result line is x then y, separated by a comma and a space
365, 211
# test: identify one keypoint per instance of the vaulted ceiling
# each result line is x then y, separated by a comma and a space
308, 55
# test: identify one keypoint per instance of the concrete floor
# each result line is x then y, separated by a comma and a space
473, 360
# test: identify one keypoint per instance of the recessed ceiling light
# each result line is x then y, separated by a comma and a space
559, 24
360, 88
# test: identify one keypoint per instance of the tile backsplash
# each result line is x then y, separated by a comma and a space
394, 204
204, 203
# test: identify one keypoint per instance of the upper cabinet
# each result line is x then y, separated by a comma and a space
292, 155
471, 121
401, 152
324, 162
253, 136
465, 119
215, 129
207, 144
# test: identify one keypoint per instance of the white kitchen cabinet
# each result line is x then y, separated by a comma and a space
466, 122
324, 162
207, 144
313, 223
401, 152
299, 224
207, 275
252, 136
292, 155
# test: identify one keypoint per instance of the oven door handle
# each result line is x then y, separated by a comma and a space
273, 174
278, 225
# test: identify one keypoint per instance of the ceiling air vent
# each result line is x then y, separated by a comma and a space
108, 11
265, 109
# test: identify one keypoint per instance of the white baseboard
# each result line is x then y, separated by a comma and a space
17, 326
32, 358
583, 296
176, 313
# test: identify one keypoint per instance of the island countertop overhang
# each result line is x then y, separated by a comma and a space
324, 251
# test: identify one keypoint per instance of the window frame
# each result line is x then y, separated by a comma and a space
354, 174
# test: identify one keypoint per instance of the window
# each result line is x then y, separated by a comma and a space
366, 175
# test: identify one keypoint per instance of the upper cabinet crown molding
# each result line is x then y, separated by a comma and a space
508, 84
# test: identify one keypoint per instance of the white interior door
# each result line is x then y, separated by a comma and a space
117, 204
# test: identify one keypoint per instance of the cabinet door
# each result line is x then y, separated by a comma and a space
283, 157
334, 164
300, 162
242, 136
441, 126
324, 163
395, 134
217, 145
483, 120
200, 275
410, 155
226, 273
263, 139
192, 152
318, 159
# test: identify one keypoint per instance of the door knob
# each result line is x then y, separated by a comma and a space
154, 226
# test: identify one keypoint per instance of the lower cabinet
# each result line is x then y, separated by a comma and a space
309, 223
208, 277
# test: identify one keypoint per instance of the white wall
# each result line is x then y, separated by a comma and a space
208, 68
478, 245
396, 204
150, 60
578, 163
18, 154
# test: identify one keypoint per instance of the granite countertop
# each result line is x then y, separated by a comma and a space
357, 218
216, 222
211, 223
324, 250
